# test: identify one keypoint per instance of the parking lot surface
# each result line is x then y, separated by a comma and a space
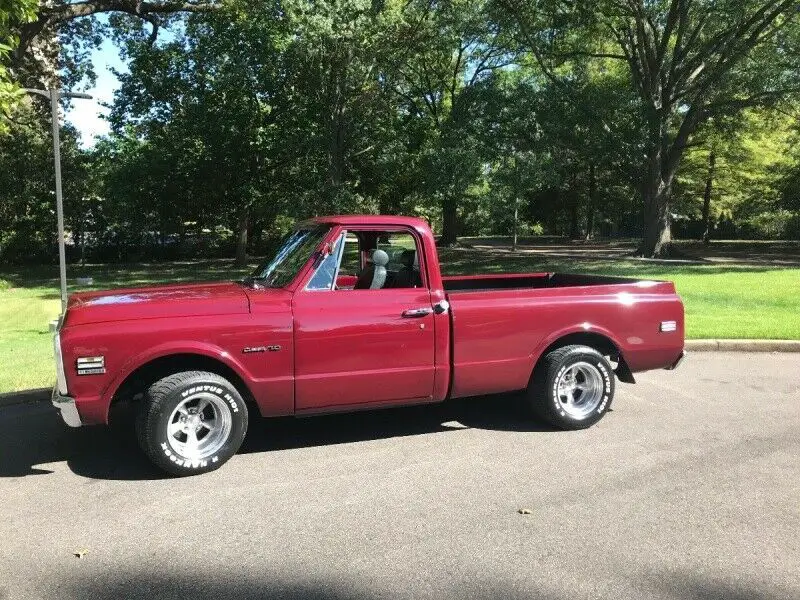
690, 488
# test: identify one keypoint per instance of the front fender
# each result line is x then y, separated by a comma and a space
172, 348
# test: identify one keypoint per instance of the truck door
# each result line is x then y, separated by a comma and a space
372, 343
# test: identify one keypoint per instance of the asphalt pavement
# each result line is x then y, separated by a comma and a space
689, 489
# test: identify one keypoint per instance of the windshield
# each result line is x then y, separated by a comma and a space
293, 253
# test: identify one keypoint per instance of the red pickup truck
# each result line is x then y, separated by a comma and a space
352, 312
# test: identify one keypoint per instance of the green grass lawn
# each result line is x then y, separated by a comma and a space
722, 301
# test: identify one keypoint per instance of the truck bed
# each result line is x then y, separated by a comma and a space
501, 324
477, 283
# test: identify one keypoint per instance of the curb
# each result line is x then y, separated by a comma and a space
742, 345
25, 397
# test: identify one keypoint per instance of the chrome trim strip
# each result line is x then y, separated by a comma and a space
61, 378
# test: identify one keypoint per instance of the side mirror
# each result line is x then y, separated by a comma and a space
323, 253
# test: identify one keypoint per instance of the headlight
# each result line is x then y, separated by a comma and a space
61, 380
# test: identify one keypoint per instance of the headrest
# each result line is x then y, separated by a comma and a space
408, 257
380, 258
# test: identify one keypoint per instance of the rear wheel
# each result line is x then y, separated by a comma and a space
191, 422
572, 387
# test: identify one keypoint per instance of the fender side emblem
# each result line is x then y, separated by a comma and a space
251, 349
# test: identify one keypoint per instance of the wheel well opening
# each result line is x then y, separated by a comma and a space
597, 341
137, 382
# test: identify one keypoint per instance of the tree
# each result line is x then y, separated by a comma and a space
27, 205
260, 109
203, 106
732, 173
688, 61
52, 15
441, 52
12, 14
710, 165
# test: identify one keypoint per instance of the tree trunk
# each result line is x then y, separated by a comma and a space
590, 205
712, 164
337, 122
241, 240
449, 222
572, 208
573, 220
516, 222
515, 192
656, 192
657, 223
554, 227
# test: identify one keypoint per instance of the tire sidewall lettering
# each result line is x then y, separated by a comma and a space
212, 389
186, 462
606, 387
554, 391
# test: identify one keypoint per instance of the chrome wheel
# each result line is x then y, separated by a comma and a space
580, 389
199, 426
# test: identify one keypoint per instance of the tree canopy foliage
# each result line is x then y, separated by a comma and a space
627, 117
13, 14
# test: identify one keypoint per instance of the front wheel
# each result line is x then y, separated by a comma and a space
191, 422
572, 387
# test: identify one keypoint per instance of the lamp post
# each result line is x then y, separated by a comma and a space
54, 94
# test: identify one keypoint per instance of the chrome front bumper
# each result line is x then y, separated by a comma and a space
67, 408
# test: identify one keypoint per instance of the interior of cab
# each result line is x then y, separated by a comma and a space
372, 260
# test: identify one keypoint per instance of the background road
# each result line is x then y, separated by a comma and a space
690, 488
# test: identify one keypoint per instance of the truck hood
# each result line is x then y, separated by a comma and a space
168, 301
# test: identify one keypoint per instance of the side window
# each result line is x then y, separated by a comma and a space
391, 261
351, 257
403, 266
370, 260
326, 272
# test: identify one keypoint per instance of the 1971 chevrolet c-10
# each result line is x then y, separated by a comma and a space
352, 313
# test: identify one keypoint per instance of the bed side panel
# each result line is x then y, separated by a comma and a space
498, 335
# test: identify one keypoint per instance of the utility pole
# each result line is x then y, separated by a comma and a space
54, 95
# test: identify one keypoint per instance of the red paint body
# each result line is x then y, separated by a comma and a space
352, 349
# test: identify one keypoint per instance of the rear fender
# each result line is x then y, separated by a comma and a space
589, 330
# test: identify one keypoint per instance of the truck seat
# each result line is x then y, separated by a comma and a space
408, 275
374, 274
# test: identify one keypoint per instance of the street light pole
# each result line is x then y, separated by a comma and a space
54, 95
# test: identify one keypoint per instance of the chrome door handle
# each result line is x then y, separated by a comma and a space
414, 313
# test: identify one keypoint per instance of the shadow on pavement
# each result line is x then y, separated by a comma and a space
240, 585
34, 435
